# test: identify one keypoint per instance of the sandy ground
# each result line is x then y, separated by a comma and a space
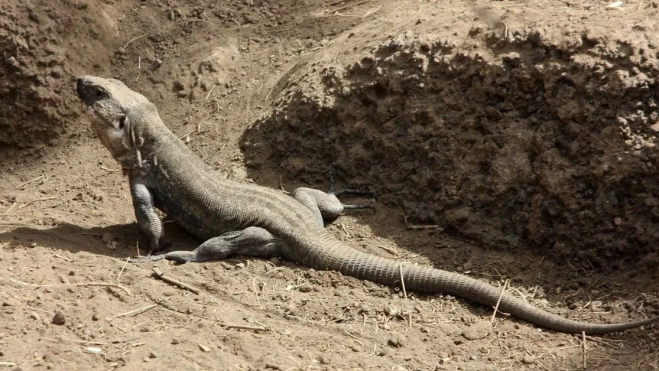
508, 141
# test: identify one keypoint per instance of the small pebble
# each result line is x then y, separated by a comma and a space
107, 238
58, 318
477, 331
305, 288
204, 348
9, 302
528, 360
391, 310
395, 342
291, 309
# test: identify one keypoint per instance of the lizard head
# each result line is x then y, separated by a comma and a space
116, 110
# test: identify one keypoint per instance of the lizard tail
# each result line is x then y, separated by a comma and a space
329, 254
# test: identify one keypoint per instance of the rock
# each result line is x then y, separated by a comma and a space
202, 347
364, 308
391, 310
10, 302
395, 342
304, 288
528, 360
107, 238
477, 331
58, 318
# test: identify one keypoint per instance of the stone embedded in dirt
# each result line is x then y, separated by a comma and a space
391, 310
304, 288
10, 302
58, 318
528, 360
107, 238
203, 348
291, 309
365, 308
395, 342
479, 330
153, 354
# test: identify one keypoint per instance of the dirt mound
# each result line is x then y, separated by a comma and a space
533, 137
42, 52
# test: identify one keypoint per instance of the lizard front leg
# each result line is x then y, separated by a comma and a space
148, 221
251, 241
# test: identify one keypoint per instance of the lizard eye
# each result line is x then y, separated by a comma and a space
99, 93
122, 122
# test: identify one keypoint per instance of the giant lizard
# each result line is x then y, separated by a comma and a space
252, 220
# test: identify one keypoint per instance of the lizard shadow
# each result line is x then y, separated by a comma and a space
444, 252
117, 241
305, 142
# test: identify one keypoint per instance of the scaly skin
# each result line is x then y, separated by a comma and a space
165, 173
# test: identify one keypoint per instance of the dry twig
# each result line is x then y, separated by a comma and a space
122, 269
105, 284
417, 227
130, 41
29, 181
256, 292
135, 311
584, 356
242, 327
108, 169
402, 281
496, 308
180, 284
70, 284
37, 200
10, 207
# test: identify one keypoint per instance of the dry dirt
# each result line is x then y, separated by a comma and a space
520, 135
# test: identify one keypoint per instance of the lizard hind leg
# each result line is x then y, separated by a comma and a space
325, 205
251, 241
350, 191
